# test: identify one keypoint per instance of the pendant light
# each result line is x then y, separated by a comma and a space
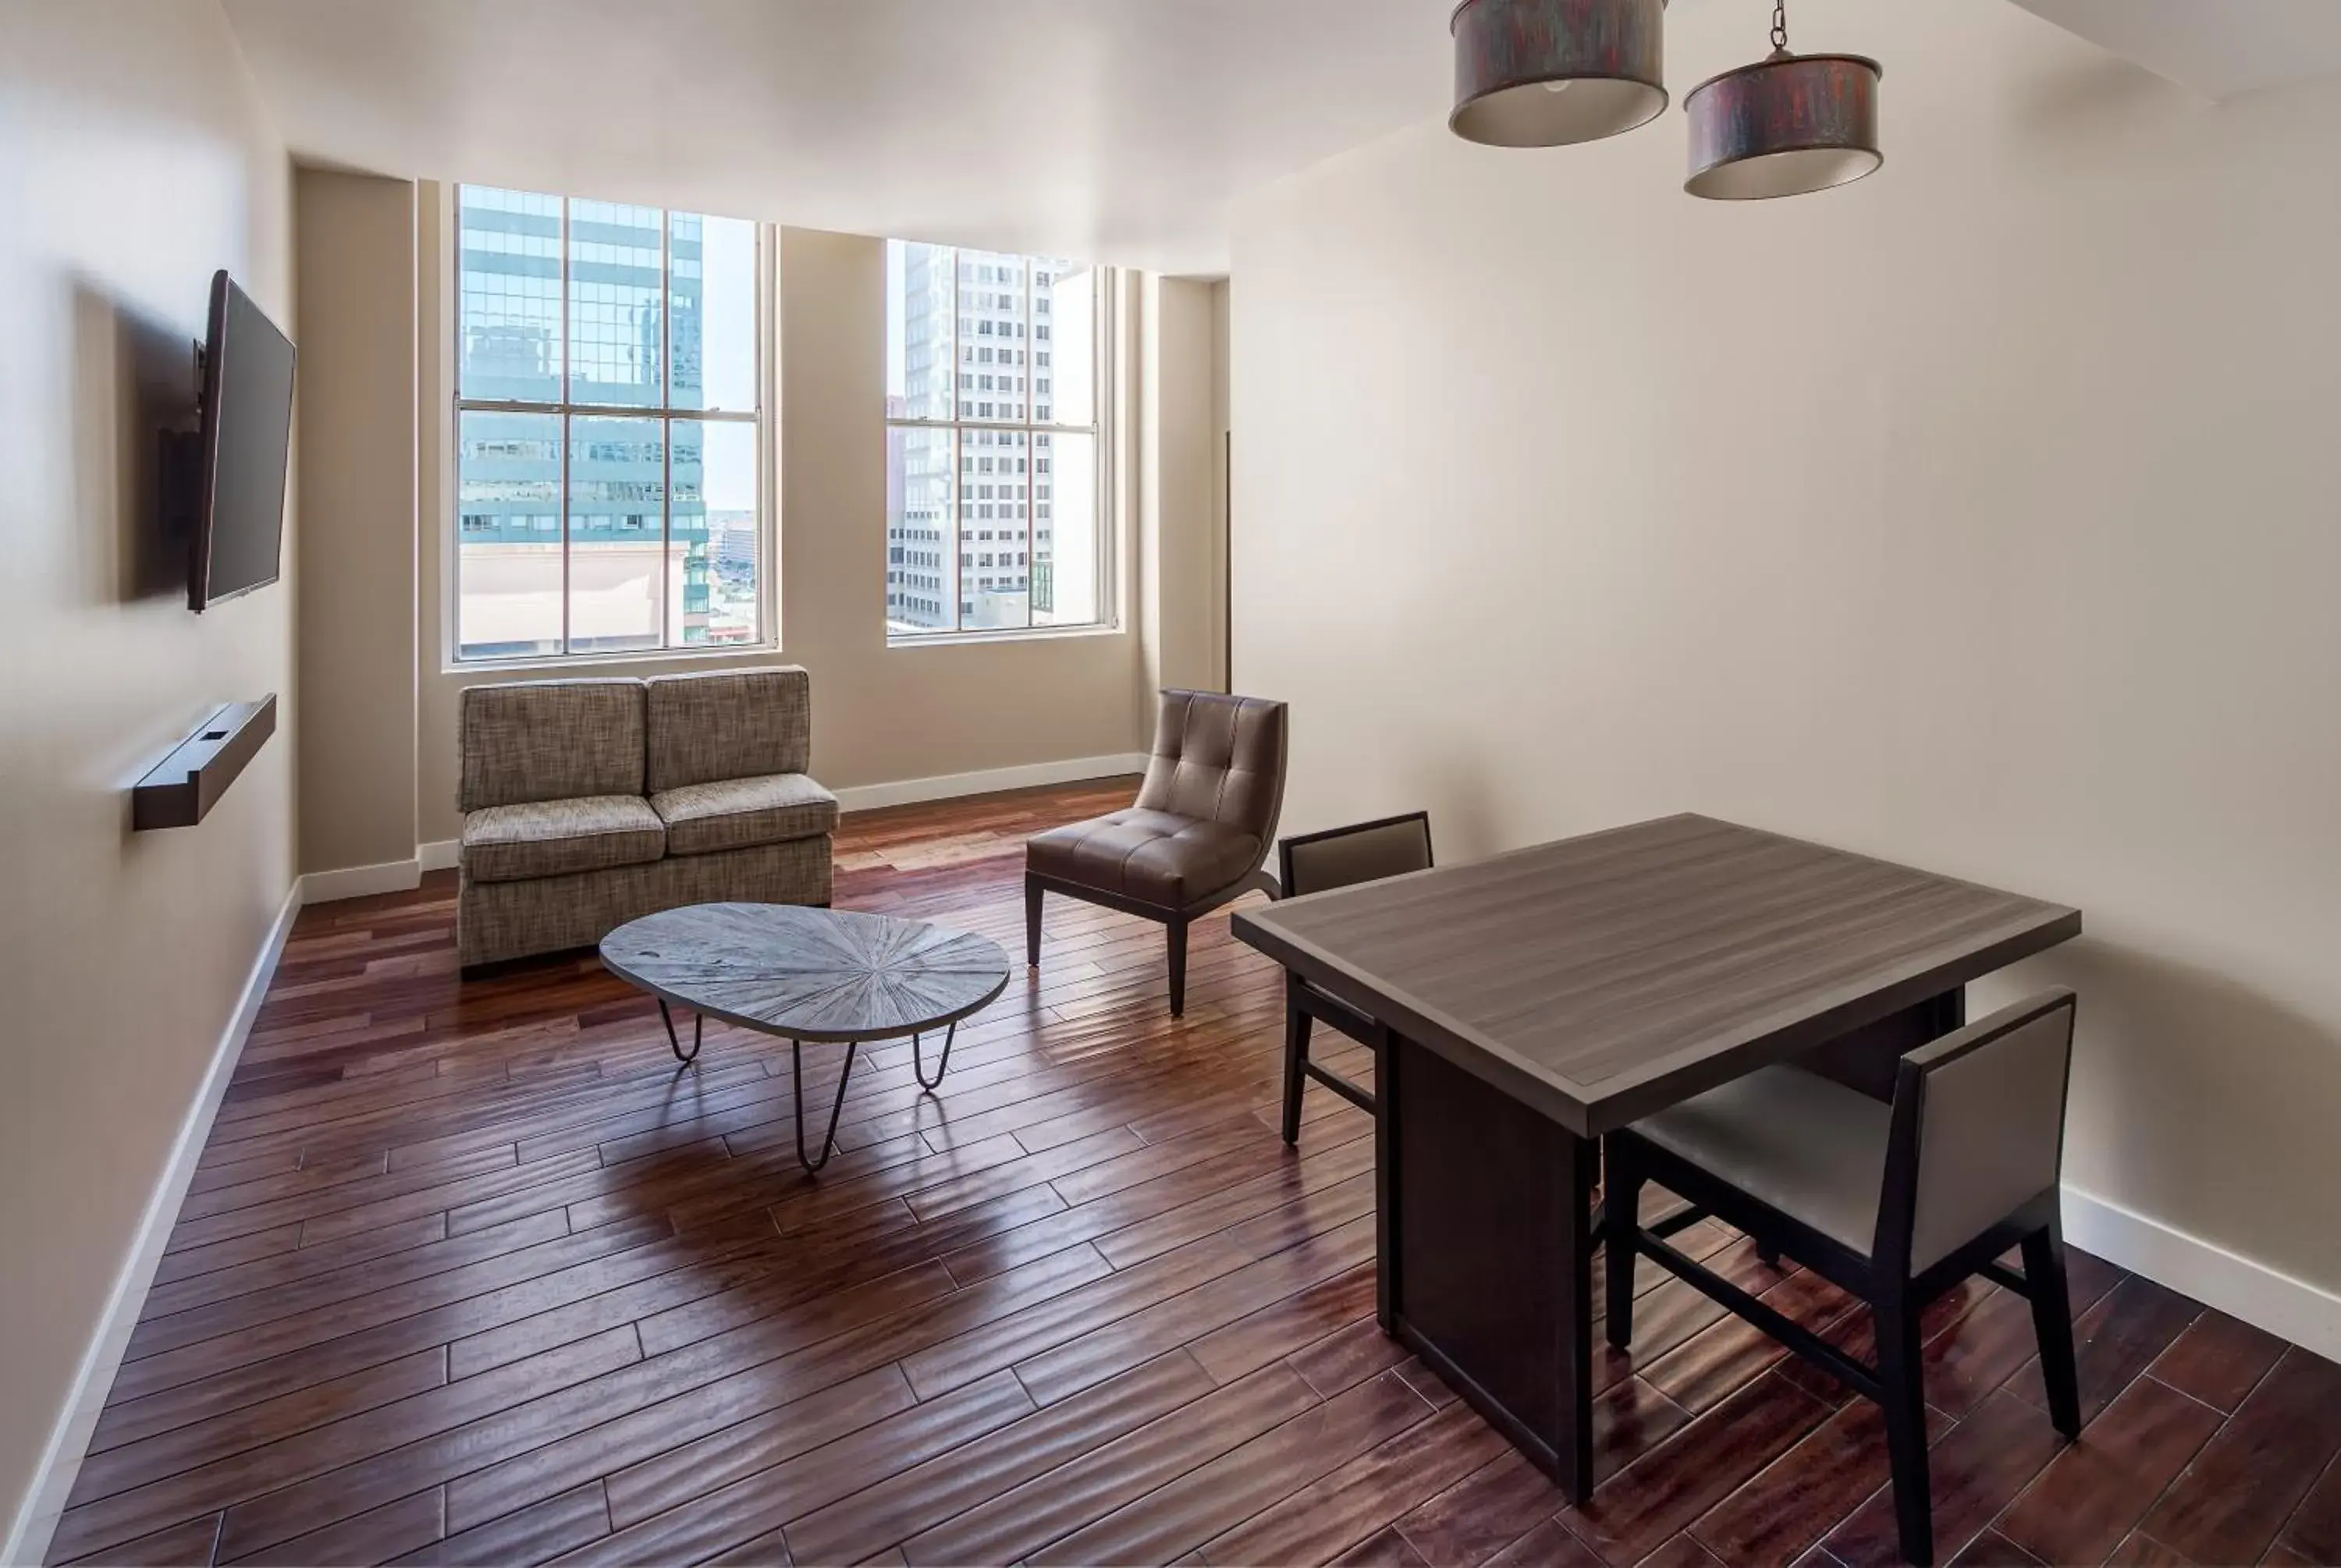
1546, 73
1787, 124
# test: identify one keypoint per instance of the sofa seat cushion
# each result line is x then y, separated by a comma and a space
554, 838
734, 813
1158, 858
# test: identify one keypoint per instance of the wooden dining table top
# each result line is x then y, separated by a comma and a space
1603, 977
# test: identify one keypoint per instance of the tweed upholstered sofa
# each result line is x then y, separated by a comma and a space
589, 803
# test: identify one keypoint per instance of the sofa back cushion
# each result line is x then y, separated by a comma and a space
735, 724
550, 741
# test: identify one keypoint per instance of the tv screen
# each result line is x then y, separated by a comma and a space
246, 438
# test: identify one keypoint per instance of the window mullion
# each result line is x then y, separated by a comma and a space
565, 534
958, 458
565, 631
666, 424
1031, 452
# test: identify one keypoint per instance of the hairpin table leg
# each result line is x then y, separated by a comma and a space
697, 1022
919, 1067
829, 1139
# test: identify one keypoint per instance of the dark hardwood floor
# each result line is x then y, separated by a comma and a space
472, 1274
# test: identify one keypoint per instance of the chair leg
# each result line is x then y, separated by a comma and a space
1032, 895
1622, 1205
1296, 1055
2052, 1322
1902, 1383
1177, 929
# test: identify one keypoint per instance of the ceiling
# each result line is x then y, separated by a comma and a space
2218, 47
1112, 129
1117, 130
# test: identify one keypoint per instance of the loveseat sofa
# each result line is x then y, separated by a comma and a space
589, 803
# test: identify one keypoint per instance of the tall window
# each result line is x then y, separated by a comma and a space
993, 481
609, 410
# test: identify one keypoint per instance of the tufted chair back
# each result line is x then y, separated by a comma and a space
1217, 759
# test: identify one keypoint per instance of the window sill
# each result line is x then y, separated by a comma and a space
978, 639
613, 663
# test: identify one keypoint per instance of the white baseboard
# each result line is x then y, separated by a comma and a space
398, 875
361, 881
36, 1522
909, 791
2293, 1309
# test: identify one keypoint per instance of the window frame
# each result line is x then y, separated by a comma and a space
664, 412
1104, 290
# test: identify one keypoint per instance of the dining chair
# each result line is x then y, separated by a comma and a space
1895, 1203
1318, 863
1196, 838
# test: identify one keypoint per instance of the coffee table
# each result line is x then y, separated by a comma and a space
817, 975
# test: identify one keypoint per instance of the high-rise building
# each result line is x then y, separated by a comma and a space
971, 542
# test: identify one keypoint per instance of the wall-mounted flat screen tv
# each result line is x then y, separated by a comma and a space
246, 439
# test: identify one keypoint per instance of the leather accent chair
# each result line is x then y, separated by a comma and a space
1895, 1203
1318, 863
1197, 835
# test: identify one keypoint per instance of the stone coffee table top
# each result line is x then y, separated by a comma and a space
809, 974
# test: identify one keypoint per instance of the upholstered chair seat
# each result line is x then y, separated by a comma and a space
1157, 856
1195, 838
1808, 1146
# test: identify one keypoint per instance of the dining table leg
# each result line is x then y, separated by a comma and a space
1485, 1225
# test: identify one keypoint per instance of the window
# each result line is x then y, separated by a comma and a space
992, 457
610, 428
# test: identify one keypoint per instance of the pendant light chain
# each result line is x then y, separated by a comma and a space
1780, 26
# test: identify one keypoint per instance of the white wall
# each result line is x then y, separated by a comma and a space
1982, 515
133, 161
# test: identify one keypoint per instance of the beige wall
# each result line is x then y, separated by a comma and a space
136, 160
881, 714
1180, 603
1980, 515
354, 244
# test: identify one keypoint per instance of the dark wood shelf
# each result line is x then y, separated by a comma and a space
184, 786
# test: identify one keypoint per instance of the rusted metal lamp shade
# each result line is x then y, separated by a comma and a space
1784, 126
1548, 72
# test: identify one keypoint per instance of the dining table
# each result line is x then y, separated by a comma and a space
1527, 1003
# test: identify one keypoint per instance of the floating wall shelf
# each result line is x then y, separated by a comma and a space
184, 786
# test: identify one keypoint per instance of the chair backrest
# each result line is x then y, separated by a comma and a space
526, 740
1217, 759
729, 724
1342, 857
1978, 1129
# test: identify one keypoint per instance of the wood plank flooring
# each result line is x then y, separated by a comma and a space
472, 1273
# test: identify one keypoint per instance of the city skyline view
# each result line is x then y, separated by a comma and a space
991, 441
608, 389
